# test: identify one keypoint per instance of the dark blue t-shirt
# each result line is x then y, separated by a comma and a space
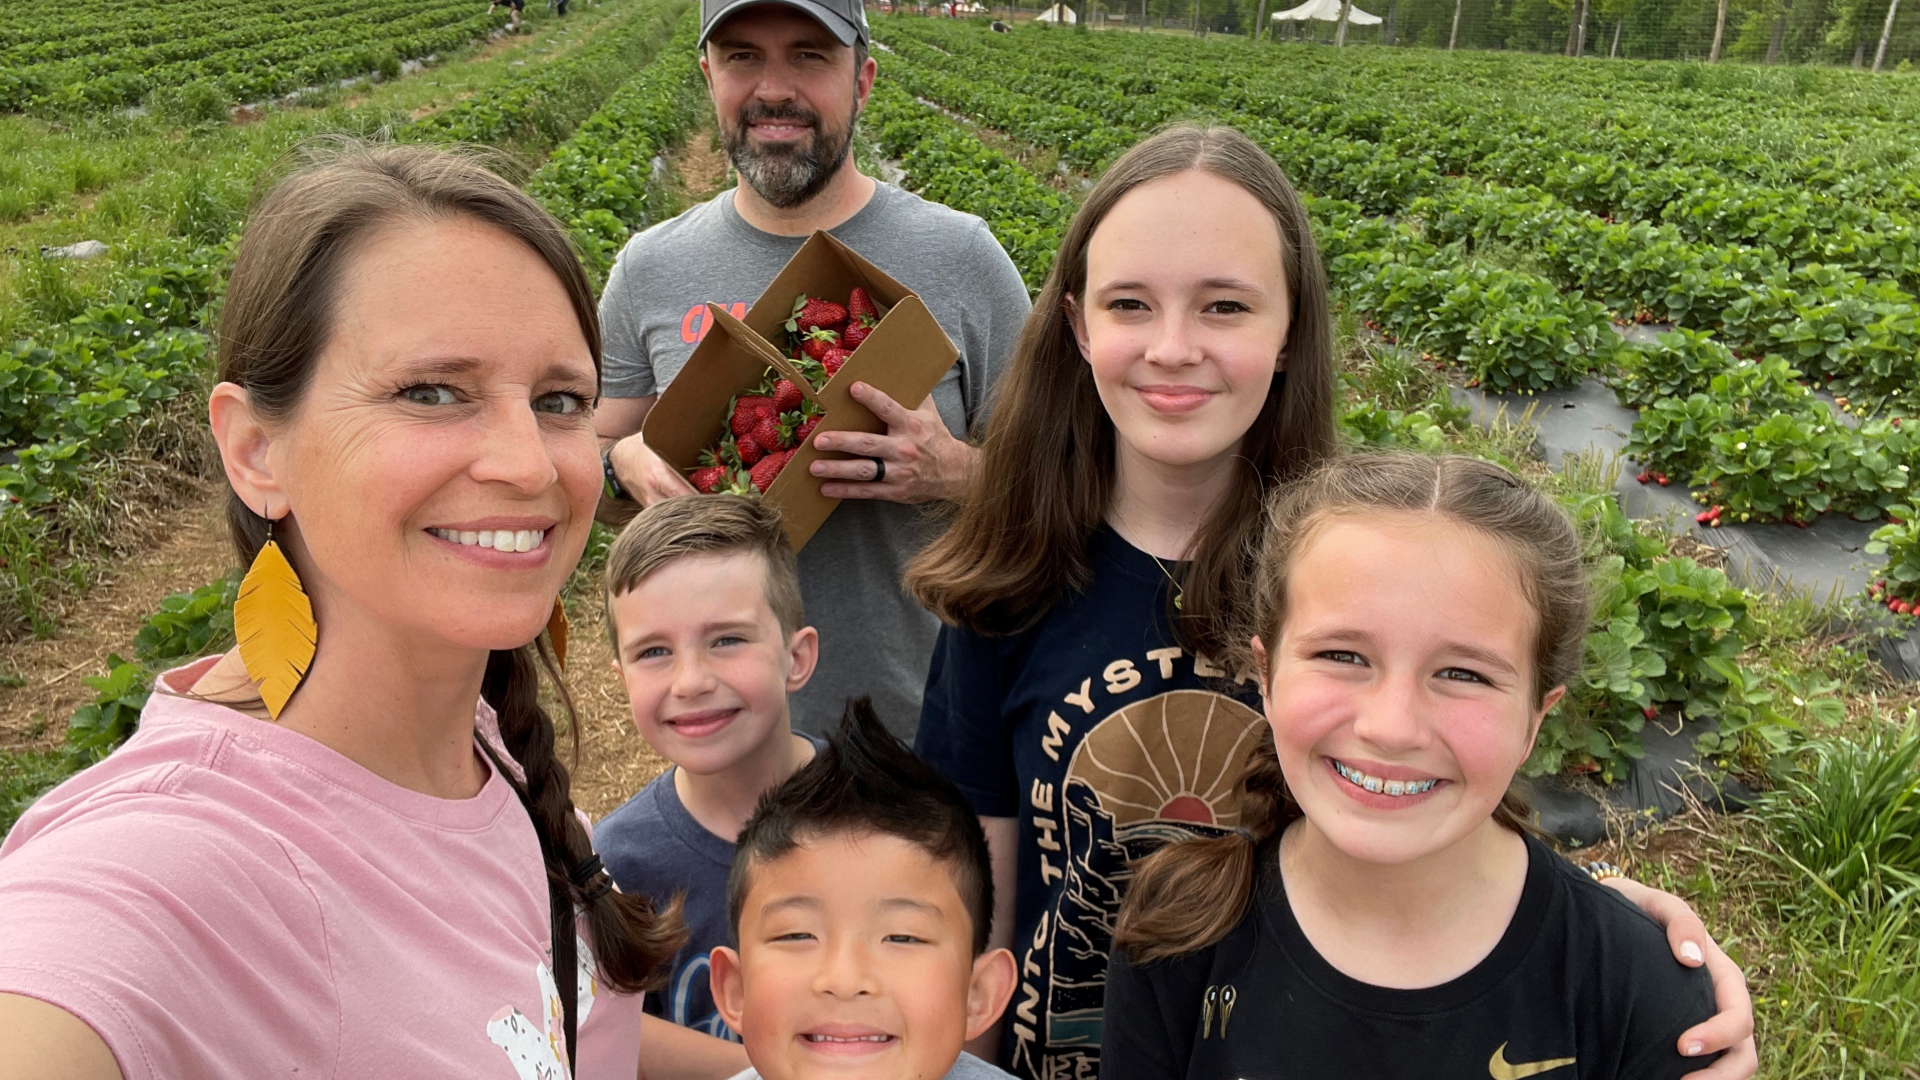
652, 847
1105, 739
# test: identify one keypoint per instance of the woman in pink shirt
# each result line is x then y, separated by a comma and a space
360, 879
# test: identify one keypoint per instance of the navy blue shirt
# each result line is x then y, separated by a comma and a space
1105, 739
653, 847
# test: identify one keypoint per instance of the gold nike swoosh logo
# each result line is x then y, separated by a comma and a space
1502, 1069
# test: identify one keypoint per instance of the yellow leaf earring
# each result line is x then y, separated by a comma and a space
273, 624
557, 632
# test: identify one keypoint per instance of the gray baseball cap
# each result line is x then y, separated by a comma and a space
846, 19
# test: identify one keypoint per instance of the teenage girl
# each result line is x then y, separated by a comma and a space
1176, 368
1383, 906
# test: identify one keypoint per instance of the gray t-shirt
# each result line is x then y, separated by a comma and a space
874, 639
967, 1067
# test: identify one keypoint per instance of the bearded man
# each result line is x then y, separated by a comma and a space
789, 79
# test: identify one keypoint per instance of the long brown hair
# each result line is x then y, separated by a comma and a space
1045, 482
1188, 895
279, 313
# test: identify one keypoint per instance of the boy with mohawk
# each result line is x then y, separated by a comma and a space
859, 903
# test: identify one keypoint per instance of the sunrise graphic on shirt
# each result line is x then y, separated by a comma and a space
1175, 757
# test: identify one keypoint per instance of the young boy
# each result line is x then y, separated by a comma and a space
703, 606
859, 904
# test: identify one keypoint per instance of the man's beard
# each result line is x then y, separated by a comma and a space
787, 174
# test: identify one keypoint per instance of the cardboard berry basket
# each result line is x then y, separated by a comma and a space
903, 357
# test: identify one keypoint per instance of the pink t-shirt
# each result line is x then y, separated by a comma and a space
223, 897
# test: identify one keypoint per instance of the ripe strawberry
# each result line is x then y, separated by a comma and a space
747, 411
856, 333
707, 480
769, 467
833, 360
816, 343
767, 434
805, 429
786, 397
1650, 712
861, 308
813, 313
749, 450
1645, 477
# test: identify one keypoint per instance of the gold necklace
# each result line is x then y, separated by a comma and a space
1179, 593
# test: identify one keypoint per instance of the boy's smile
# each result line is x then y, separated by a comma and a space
706, 664
856, 960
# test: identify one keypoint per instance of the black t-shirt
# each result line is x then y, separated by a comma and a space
1582, 986
1105, 739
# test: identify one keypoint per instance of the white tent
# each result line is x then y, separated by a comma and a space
1059, 13
1325, 11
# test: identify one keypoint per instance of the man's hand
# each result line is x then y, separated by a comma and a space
642, 472
922, 459
1730, 1029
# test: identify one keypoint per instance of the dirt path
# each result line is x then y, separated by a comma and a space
700, 166
614, 762
190, 550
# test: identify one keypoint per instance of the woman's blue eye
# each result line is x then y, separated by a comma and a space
559, 402
429, 394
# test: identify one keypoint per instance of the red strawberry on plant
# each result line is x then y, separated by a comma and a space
786, 397
1650, 711
769, 467
813, 313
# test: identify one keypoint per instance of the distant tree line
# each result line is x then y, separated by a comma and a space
1844, 32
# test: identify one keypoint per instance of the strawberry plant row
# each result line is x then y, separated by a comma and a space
946, 164
87, 388
1471, 131
601, 181
244, 56
1858, 335
542, 105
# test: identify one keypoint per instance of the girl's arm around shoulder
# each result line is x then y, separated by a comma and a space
1642, 991
1731, 1028
1150, 1017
